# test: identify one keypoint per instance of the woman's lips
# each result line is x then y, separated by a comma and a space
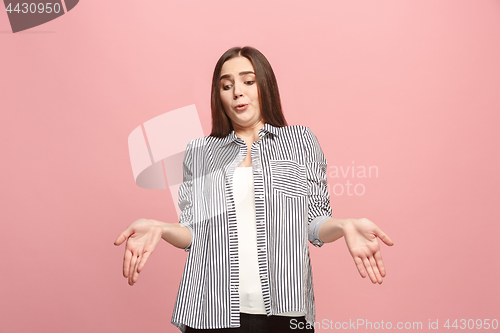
241, 107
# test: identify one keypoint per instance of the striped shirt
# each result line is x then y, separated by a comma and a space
291, 204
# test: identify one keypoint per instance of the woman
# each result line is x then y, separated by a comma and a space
254, 193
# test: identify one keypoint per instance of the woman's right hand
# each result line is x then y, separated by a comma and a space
142, 237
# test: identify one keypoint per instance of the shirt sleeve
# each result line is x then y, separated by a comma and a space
319, 210
186, 193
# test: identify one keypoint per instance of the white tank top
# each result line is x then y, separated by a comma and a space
250, 290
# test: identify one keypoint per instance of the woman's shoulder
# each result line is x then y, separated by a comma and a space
205, 141
295, 130
300, 127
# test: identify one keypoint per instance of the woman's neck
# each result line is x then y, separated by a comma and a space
249, 133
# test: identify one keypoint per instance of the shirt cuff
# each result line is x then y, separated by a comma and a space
187, 248
314, 230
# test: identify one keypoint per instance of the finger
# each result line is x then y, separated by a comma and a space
135, 276
383, 236
143, 261
380, 263
369, 270
375, 269
360, 267
126, 263
132, 268
123, 236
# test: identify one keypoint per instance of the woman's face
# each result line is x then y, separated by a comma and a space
239, 93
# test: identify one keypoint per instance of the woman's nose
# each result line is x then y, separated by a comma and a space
237, 91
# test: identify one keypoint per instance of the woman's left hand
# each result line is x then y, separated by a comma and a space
361, 239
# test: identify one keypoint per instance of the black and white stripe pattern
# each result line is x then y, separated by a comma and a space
291, 203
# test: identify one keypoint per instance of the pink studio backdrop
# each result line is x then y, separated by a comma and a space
409, 88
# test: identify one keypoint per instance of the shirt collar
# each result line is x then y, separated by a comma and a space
267, 129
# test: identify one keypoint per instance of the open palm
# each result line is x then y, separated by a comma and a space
361, 239
142, 237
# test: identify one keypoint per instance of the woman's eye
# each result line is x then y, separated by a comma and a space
226, 87
250, 82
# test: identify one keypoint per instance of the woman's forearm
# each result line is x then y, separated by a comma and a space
332, 230
175, 233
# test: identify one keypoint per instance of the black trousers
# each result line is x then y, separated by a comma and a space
250, 323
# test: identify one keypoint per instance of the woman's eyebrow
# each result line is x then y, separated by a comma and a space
228, 76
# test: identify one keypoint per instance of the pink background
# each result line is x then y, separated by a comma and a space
411, 87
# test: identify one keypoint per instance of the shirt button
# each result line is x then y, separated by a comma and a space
261, 223
264, 277
317, 242
261, 196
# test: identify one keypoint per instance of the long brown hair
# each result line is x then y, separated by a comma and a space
269, 96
